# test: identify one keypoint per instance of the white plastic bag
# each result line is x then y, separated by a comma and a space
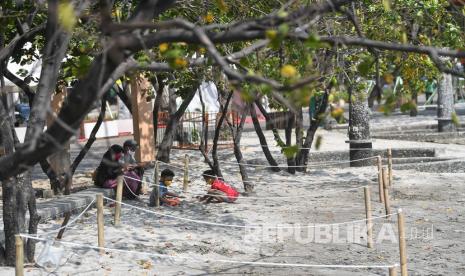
50, 256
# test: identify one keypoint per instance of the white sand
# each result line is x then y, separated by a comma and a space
428, 199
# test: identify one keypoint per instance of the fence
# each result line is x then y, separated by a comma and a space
280, 119
190, 131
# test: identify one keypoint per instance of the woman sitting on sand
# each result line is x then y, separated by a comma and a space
111, 167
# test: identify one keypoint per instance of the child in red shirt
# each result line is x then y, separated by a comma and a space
219, 191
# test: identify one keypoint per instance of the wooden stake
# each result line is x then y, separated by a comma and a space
393, 271
366, 191
389, 153
387, 202
402, 246
186, 173
119, 198
101, 242
380, 180
19, 265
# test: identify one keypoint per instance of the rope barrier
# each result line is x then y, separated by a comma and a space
255, 198
127, 186
315, 164
163, 256
243, 226
305, 183
303, 166
278, 147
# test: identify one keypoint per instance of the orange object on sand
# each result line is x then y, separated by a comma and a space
173, 201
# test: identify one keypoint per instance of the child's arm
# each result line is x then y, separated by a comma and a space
164, 200
202, 198
171, 194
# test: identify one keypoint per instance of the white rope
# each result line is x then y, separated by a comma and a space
303, 166
69, 223
263, 198
127, 186
73, 244
278, 147
244, 226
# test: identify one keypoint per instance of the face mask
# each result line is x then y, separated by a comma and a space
117, 156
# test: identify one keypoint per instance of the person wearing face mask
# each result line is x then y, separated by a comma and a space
129, 151
111, 166
165, 197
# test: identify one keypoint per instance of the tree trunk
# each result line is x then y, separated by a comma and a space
167, 142
263, 142
204, 135
219, 125
299, 138
122, 93
359, 128
414, 111
248, 186
445, 104
6, 137
288, 132
91, 139
271, 123
156, 110
302, 156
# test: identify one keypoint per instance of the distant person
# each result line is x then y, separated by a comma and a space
129, 149
219, 190
112, 166
429, 90
165, 197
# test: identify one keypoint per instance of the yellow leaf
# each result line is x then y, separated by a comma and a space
208, 18
288, 71
163, 47
387, 5
66, 16
202, 50
389, 78
404, 37
180, 62
271, 34
337, 112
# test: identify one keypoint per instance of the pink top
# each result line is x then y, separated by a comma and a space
225, 188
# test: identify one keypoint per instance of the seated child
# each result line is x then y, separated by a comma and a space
164, 196
219, 191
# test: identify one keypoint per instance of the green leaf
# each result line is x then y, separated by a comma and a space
283, 29
246, 95
365, 66
290, 152
319, 140
410, 105
221, 4
313, 41
455, 120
